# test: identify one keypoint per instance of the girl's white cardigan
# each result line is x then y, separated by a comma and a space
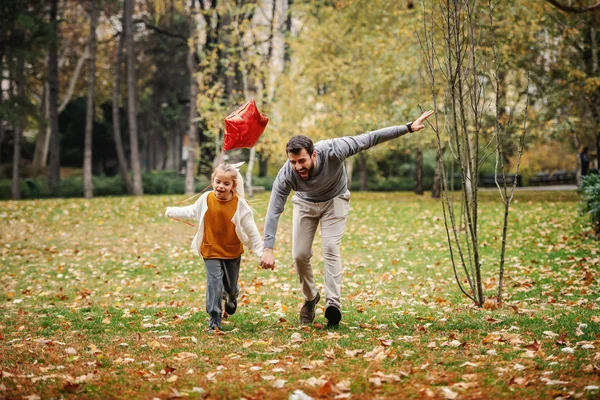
243, 220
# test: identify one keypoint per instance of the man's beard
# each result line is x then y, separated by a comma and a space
309, 172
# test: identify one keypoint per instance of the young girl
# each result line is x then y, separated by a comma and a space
225, 224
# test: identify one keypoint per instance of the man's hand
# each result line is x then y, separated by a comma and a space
267, 261
418, 124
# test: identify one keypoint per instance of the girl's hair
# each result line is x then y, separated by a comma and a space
234, 171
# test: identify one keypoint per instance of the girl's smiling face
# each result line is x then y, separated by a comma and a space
223, 185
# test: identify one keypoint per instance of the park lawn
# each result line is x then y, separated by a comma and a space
104, 299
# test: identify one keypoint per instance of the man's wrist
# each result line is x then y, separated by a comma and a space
409, 127
267, 250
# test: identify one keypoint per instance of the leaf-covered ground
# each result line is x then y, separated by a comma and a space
104, 299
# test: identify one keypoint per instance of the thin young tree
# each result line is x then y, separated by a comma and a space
88, 186
463, 65
501, 134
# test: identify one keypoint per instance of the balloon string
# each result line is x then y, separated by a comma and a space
185, 222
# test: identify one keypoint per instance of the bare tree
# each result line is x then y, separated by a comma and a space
88, 186
463, 66
501, 133
138, 190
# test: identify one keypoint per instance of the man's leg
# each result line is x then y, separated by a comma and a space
214, 291
230, 284
333, 225
305, 222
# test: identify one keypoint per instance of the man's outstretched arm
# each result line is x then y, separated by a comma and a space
350, 145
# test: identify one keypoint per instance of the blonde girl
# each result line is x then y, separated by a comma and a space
225, 225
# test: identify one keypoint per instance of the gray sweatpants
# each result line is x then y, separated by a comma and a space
332, 215
221, 279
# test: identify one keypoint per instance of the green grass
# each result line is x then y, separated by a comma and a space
103, 298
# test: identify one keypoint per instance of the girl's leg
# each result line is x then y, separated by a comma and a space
214, 291
231, 269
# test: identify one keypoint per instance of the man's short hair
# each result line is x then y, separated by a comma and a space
299, 142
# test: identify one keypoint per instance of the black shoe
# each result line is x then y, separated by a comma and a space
334, 316
230, 306
307, 313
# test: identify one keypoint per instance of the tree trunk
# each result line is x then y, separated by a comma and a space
287, 52
436, 189
190, 168
54, 168
362, 171
349, 171
419, 172
138, 190
16, 173
88, 185
249, 184
2, 55
263, 165
40, 154
116, 117
190, 171
42, 143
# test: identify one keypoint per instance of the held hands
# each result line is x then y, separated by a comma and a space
267, 261
417, 125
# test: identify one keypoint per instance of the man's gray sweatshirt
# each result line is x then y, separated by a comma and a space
328, 178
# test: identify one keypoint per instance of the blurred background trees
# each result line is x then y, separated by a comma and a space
324, 68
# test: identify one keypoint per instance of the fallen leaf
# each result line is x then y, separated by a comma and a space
184, 355
279, 383
448, 393
329, 353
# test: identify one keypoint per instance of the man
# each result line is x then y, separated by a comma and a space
317, 174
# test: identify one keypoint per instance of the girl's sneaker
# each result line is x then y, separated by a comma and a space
230, 306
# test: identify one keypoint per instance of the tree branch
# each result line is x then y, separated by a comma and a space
84, 56
571, 9
160, 30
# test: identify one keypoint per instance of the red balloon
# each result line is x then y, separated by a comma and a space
243, 127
